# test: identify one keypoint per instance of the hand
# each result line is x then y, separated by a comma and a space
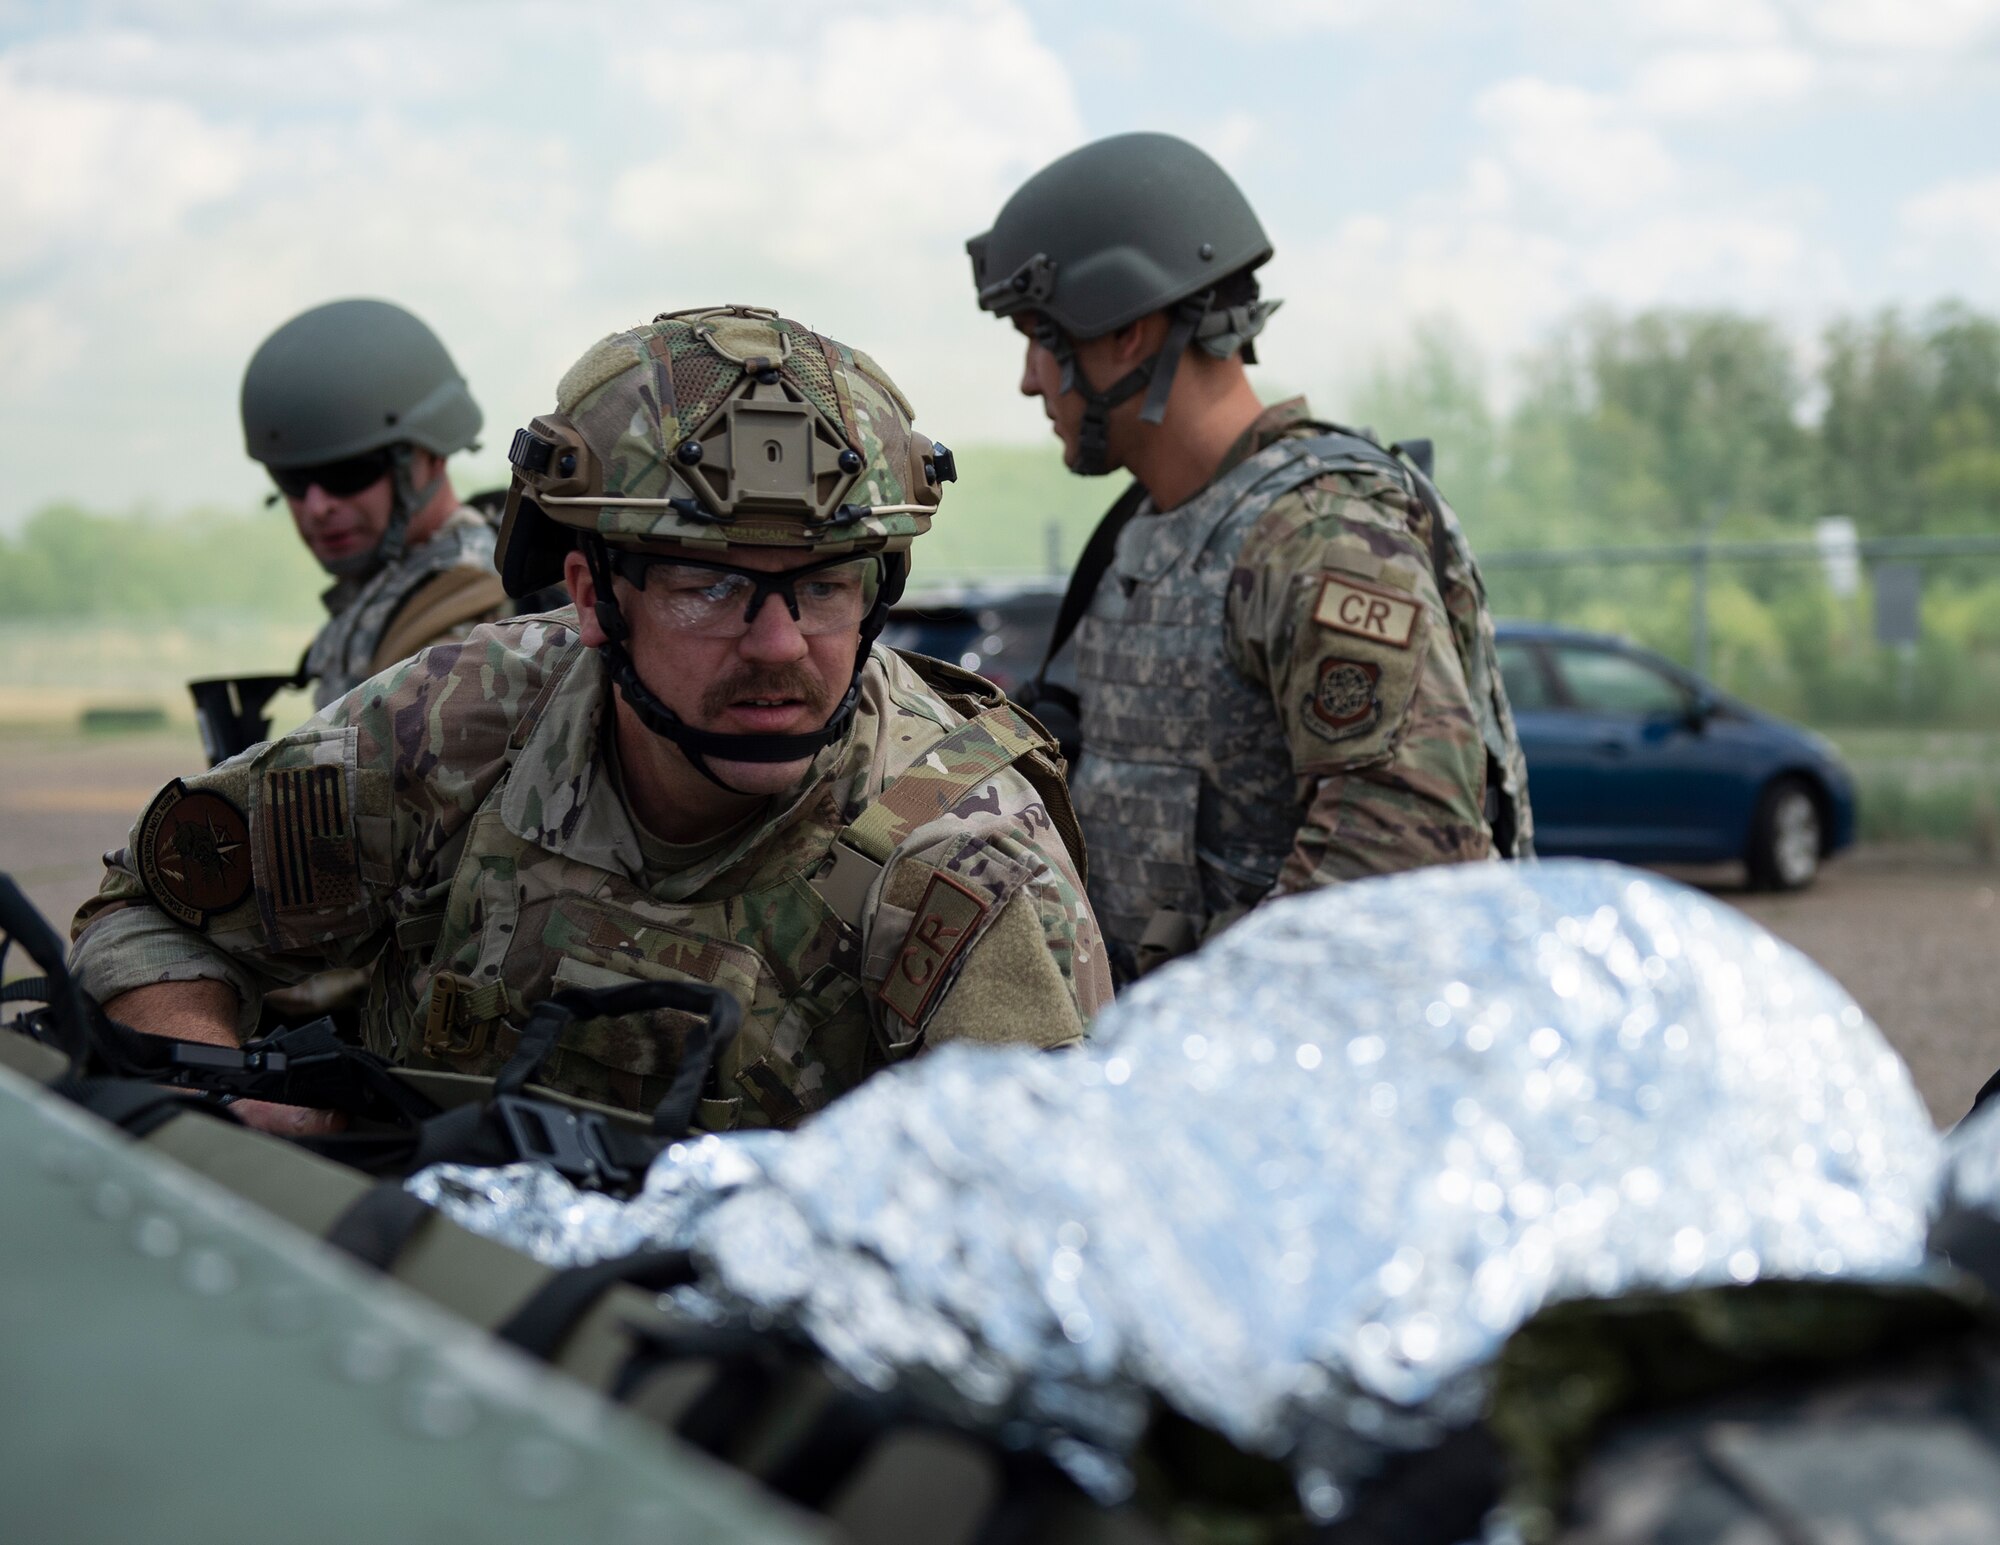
288, 1120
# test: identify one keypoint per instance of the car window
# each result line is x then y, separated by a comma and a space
1521, 674
1600, 681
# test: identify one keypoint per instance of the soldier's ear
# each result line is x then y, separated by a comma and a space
1136, 342
582, 587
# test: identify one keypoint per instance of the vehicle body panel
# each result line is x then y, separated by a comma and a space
1677, 779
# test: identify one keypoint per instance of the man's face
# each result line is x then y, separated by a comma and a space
778, 677
340, 528
1099, 362
1041, 376
341, 511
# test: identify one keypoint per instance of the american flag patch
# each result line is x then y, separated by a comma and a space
311, 842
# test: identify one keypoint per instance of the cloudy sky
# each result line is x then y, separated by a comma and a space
179, 176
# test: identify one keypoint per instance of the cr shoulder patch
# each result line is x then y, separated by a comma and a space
309, 839
1366, 612
946, 920
1345, 701
194, 853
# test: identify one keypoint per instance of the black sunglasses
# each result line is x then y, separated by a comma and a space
338, 478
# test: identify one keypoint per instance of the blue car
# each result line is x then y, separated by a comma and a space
1630, 757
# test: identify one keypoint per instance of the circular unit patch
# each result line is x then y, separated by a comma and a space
193, 853
1344, 702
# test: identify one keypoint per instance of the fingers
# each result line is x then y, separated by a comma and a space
288, 1120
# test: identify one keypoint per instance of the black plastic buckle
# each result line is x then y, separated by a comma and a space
571, 1143
195, 1064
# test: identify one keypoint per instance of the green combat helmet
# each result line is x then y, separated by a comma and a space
1113, 232
357, 381
721, 426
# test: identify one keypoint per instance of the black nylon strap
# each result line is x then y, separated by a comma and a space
379, 1225
1970, 1240
24, 925
1167, 363
27, 989
1436, 1497
133, 1105
541, 1325
1090, 569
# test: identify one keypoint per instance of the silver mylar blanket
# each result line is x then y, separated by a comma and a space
1305, 1183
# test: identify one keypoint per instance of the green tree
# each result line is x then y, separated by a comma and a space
1910, 436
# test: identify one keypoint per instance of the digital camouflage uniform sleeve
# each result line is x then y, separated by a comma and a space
300, 854
1334, 608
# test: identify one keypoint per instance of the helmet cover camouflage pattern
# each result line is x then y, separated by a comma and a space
729, 425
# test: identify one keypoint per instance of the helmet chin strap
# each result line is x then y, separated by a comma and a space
405, 500
698, 745
1093, 449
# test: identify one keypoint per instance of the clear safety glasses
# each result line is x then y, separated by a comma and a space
716, 600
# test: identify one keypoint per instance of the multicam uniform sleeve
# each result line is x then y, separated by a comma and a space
1000, 945
300, 854
1333, 607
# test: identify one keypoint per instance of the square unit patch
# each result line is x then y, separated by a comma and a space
944, 924
1380, 615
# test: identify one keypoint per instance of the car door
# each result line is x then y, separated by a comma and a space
1641, 777
1539, 721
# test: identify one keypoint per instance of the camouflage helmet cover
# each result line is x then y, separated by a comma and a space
717, 426
350, 377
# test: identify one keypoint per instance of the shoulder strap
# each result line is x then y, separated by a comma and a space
1084, 580
1410, 459
446, 600
996, 735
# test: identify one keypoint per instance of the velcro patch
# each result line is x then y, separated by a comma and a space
309, 840
194, 853
945, 922
1345, 701
1367, 612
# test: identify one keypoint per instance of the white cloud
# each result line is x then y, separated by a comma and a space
1711, 21
1902, 26
1951, 232
1294, 16
1689, 258
194, 173
85, 168
560, 185
1706, 82
1574, 146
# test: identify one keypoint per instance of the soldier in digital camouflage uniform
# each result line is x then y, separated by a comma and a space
353, 408
1286, 670
872, 853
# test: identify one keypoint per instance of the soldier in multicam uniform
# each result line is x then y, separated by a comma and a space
353, 408
1286, 669
872, 853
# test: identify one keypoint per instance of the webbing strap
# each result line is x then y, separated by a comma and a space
379, 1224
542, 1324
953, 768
1083, 582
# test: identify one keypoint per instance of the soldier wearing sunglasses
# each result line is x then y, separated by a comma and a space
710, 771
353, 408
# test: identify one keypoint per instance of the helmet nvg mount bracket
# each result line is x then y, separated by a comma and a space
1116, 231
717, 427
351, 377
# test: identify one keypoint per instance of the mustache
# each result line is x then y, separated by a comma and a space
766, 681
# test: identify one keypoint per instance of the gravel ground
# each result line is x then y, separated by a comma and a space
1914, 935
